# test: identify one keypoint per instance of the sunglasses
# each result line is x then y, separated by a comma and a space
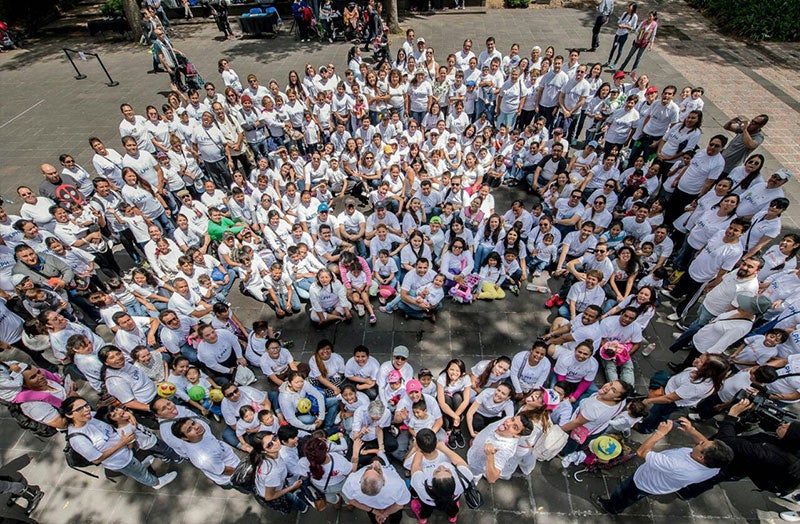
232, 393
81, 408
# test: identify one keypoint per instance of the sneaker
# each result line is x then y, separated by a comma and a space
649, 349
382, 301
460, 440
790, 516
277, 333
305, 509
551, 302
792, 497
165, 479
598, 502
451, 441
373, 320
416, 507
384, 309
360, 310
676, 334
515, 290
147, 462
537, 274
681, 326
694, 417
667, 294
674, 317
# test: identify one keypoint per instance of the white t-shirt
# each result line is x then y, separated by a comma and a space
334, 472
487, 407
334, 365
572, 370
526, 377
368, 370
505, 448
456, 387
102, 437
668, 471
211, 456
394, 490
690, 392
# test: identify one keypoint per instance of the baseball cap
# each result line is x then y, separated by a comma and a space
424, 372
323, 208
380, 204
246, 98
413, 385
394, 376
400, 351
17, 279
592, 143
551, 399
388, 149
619, 74
783, 174
469, 83
754, 305
434, 131
182, 193
349, 201
420, 40
650, 90
436, 220
605, 448
161, 154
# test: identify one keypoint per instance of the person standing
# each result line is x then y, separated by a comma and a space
603, 13
667, 471
749, 137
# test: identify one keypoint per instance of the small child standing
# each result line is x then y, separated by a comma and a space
545, 255
513, 271
633, 414
358, 281
122, 294
384, 280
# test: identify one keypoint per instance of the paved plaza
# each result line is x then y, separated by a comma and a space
45, 112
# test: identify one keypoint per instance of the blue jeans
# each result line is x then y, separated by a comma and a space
639, 52
295, 303
229, 436
190, 353
165, 223
509, 119
417, 115
617, 45
703, 318
139, 472
482, 107
658, 414
415, 311
225, 288
302, 286
135, 308
626, 494
481, 252
259, 149
537, 265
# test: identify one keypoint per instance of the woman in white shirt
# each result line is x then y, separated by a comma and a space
685, 390
100, 443
625, 25
327, 369
326, 470
270, 476
438, 487
419, 96
679, 137
453, 392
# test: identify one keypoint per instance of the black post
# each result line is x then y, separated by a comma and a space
78, 76
111, 82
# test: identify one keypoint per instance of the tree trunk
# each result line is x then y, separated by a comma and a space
391, 17
131, 9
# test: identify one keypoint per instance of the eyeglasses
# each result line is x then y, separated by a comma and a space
232, 393
397, 357
600, 251
575, 196
270, 444
80, 408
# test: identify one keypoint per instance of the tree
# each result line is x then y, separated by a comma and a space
391, 17
131, 9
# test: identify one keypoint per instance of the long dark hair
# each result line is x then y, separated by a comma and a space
715, 368
442, 491
487, 231
483, 378
256, 456
66, 408
103, 356
461, 367
452, 234
643, 308
792, 254
746, 181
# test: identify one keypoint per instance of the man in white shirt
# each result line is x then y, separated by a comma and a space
495, 445
216, 459
656, 122
378, 490
667, 471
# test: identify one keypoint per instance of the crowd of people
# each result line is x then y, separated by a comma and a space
374, 193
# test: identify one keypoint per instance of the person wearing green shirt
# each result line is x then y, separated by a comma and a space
218, 224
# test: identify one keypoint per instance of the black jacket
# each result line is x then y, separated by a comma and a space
772, 465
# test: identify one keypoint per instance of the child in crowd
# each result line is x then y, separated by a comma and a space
123, 295
634, 412
545, 255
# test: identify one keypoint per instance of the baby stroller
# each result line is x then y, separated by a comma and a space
193, 78
9, 39
381, 51
332, 29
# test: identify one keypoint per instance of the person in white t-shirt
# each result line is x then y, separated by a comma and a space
496, 445
216, 459
666, 472
378, 490
271, 479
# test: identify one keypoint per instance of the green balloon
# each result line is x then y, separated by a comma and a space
197, 393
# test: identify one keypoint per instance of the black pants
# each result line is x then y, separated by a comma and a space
479, 421
451, 510
676, 205
219, 174
241, 160
394, 518
626, 494
598, 25
549, 113
645, 146
36, 356
453, 401
685, 290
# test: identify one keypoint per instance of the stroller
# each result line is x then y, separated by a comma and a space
381, 53
9, 39
189, 70
332, 29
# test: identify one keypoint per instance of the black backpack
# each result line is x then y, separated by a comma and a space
243, 476
74, 459
25, 422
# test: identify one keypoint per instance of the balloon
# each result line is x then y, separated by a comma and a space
165, 389
197, 393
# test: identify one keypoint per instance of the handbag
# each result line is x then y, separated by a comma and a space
579, 434
321, 503
473, 497
244, 376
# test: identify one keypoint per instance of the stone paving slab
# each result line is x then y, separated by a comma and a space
45, 112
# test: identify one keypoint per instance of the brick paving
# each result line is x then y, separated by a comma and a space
45, 113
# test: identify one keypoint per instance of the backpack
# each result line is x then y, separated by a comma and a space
25, 422
74, 459
550, 443
243, 476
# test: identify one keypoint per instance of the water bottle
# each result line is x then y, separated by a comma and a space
538, 289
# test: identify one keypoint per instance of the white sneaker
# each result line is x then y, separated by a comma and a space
147, 462
166, 479
790, 516
360, 310
674, 317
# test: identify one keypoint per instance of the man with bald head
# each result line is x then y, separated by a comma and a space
59, 187
378, 490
